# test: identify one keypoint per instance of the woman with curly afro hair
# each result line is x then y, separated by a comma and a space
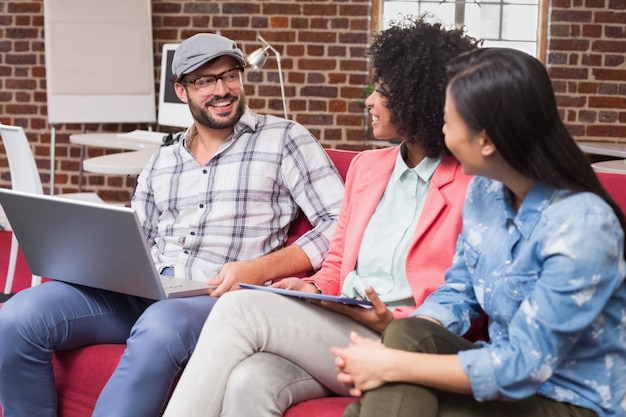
261, 352
406, 61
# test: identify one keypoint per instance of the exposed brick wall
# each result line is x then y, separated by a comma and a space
587, 63
323, 44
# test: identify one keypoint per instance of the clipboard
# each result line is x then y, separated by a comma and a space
309, 295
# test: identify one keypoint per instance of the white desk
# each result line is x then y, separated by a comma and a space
123, 163
617, 166
105, 140
604, 148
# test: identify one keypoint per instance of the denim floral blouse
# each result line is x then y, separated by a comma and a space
551, 279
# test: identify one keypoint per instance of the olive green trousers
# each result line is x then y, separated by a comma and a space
410, 400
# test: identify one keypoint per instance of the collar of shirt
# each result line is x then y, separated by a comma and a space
424, 170
539, 197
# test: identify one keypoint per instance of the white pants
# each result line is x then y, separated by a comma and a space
259, 353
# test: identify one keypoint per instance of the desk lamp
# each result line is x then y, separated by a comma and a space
257, 59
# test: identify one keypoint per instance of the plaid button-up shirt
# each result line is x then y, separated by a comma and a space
240, 204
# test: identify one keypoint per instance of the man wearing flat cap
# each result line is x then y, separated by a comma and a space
215, 206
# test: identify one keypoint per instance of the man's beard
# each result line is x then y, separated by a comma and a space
201, 114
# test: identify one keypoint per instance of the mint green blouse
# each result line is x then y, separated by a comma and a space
387, 238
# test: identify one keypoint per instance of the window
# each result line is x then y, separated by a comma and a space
501, 23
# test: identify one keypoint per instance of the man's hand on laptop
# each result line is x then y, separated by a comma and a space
234, 272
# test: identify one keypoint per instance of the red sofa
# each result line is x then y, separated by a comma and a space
81, 373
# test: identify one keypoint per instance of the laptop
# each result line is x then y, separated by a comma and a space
86, 243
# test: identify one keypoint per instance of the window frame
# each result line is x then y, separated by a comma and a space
542, 25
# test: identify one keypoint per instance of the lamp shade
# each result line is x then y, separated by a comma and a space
257, 58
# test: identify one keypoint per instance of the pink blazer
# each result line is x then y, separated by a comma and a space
434, 241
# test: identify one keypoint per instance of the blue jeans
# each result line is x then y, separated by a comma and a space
160, 337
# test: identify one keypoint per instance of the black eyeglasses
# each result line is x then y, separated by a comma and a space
206, 84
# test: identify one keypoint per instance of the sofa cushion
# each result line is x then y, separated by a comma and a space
81, 374
321, 407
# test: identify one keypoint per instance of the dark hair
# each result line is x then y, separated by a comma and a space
508, 94
409, 60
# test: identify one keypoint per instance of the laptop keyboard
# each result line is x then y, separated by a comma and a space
169, 284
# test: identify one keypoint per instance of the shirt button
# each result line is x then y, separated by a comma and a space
201, 205
204, 171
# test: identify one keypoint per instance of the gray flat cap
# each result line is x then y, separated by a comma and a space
200, 49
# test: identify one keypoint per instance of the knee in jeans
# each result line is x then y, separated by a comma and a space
23, 330
157, 326
15, 317
271, 373
9, 322
260, 394
239, 381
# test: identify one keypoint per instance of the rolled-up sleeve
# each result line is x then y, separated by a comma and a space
551, 279
316, 187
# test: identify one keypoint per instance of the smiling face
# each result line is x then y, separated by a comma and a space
223, 107
382, 128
